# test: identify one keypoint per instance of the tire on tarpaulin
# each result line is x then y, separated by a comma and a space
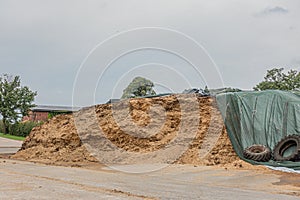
283, 145
258, 152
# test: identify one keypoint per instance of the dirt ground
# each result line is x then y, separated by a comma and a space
57, 142
29, 180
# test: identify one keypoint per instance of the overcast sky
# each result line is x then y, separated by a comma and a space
46, 42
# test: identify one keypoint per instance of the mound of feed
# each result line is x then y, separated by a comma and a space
57, 141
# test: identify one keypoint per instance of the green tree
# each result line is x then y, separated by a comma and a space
138, 87
276, 79
15, 100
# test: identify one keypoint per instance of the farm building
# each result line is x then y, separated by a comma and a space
42, 112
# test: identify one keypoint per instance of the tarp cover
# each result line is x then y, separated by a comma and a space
260, 118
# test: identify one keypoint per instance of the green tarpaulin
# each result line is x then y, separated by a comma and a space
260, 118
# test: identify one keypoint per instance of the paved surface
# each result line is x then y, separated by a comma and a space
23, 180
9, 146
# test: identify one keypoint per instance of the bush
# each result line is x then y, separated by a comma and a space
22, 128
54, 113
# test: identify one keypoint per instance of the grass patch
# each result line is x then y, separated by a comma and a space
13, 137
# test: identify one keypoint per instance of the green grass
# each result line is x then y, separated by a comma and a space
13, 137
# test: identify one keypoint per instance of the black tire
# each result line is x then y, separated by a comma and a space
285, 144
258, 152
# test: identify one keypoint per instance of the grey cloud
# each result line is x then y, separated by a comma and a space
276, 9
273, 10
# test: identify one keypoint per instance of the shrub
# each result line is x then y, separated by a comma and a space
22, 128
54, 113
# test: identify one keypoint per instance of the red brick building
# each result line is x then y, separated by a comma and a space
41, 112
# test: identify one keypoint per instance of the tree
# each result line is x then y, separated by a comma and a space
138, 87
276, 79
15, 100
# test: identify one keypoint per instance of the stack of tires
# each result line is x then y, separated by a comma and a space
287, 149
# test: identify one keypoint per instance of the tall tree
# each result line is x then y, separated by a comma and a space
15, 100
139, 87
276, 79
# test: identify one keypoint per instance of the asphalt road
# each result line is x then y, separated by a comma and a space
9, 146
24, 180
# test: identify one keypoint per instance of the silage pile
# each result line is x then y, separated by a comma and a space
57, 141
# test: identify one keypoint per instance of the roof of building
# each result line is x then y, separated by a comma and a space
113, 100
55, 108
